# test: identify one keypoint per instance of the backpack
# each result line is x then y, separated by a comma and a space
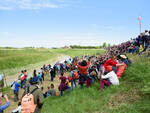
75, 75
22, 77
69, 78
121, 70
47, 95
27, 103
93, 73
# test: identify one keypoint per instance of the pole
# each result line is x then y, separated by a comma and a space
140, 26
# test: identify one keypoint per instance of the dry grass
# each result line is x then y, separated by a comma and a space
123, 97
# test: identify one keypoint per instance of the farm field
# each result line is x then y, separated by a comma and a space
12, 61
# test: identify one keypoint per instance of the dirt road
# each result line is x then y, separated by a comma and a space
45, 84
9, 79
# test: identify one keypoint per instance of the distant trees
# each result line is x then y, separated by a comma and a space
109, 45
84, 47
9, 47
105, 45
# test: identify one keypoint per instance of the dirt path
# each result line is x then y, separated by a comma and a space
9, 79
45, 84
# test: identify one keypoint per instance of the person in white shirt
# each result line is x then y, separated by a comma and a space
109, 79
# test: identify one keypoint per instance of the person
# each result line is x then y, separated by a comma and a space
54, 67
62, 68
52, 73
34, 73
44, 93
62, 87
74, 79
25, 76
93, 74
111, 62
148, 52
124, 59
6, 105
16, 90
51, 91
35, 78
42, 72
40, 77
149, 35
108, 78
38, 95
69, 85
22, 77
140, 49
83, 69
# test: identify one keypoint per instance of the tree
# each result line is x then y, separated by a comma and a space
109, 45
104, 45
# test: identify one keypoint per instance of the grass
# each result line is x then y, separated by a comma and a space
131, 96
18, 58
13, 61
79, 52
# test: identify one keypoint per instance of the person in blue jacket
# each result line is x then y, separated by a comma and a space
6, 105
16, 90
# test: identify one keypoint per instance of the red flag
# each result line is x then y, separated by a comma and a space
139, 18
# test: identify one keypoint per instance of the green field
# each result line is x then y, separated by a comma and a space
131, 96
13, 61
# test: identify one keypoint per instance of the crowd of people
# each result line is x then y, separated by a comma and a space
105, 69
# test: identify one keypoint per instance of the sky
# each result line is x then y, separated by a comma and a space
56, 23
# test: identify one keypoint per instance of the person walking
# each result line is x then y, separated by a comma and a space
15, 86
37, 94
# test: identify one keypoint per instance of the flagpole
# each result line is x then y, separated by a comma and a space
140, 26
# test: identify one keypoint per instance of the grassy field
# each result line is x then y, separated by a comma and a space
79, 52
131, 96
19, 59
13, 61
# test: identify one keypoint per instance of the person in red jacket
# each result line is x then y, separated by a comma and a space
111, 62
83, 69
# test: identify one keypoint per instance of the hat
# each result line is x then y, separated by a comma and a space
123, 56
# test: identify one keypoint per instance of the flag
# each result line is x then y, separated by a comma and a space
139, 18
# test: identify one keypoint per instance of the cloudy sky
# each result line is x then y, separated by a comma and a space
55, 23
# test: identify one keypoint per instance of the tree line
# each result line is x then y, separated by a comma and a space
104, 45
